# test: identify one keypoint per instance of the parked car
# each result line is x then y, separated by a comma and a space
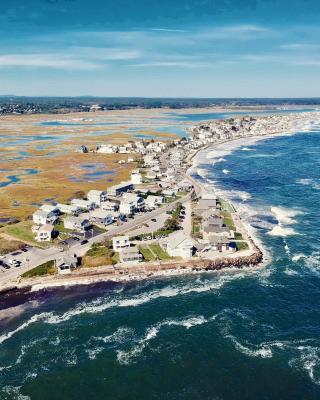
84, 241
153, 220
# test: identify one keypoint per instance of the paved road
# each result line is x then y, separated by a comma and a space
35, 256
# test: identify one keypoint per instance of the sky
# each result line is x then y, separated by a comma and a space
160, 48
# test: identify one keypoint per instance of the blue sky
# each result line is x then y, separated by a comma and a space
186, 48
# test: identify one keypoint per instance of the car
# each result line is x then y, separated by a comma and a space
24, 249
76, 238
5, 266
84, 241
16, 253
153, 220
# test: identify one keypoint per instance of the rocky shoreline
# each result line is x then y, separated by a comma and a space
87, 276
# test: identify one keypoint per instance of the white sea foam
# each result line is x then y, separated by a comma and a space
247, 149
14, 393
285, 218
226, 171
314, 183
101, 305
126, 357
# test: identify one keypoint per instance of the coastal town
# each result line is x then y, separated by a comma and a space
161, 219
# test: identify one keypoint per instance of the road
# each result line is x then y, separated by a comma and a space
35, 256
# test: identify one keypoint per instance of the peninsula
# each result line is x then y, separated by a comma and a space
161, 221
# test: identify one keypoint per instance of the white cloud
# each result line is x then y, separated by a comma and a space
44, 60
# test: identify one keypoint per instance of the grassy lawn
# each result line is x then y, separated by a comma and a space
242, 246
225, 206
47, 268
238, 236
59, 226
146, 253
98, 255
228, 220
159, 252
22, 231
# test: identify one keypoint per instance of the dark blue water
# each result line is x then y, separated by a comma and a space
241, 335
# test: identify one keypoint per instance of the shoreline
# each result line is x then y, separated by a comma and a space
228, 263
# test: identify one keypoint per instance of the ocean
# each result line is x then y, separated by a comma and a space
247, 334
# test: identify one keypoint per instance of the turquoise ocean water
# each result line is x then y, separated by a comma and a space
225, 336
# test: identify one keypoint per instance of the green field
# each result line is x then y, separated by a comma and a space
146, 253
22, 231
47, 268
159, 252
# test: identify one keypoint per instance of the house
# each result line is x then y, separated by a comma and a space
40, 217
208, 201
83, 204
180, 245
97, 196
135, 199
130, 254
136, 177
49, 208
185, 186
66, 263
107, 149
120, 242
101, 216
153, 201
77, 223
110, 206
69, 209
169, 193
122, 187
219, 243
43, 233
127, 207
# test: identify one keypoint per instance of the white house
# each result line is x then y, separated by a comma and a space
83, 204
66, 263
49, 208
169, 192
120, 242
136, 177
69, 209
135, 199
127, 207
110, 206
130, 255
101, 216
77, 223
43, 233
43, 217
97, 196
153, 201
180, 245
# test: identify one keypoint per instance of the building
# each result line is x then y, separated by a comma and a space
77, 223
101, 217
207, 202
136, 177
110, 206
122, 187
180, 245
49, 208
97, 196
69, 209
120, 242
169, 193
43, 233
153, 201
138, 201
185, 186
219, 243
83, 204
40, 217
130, 255
66, 263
